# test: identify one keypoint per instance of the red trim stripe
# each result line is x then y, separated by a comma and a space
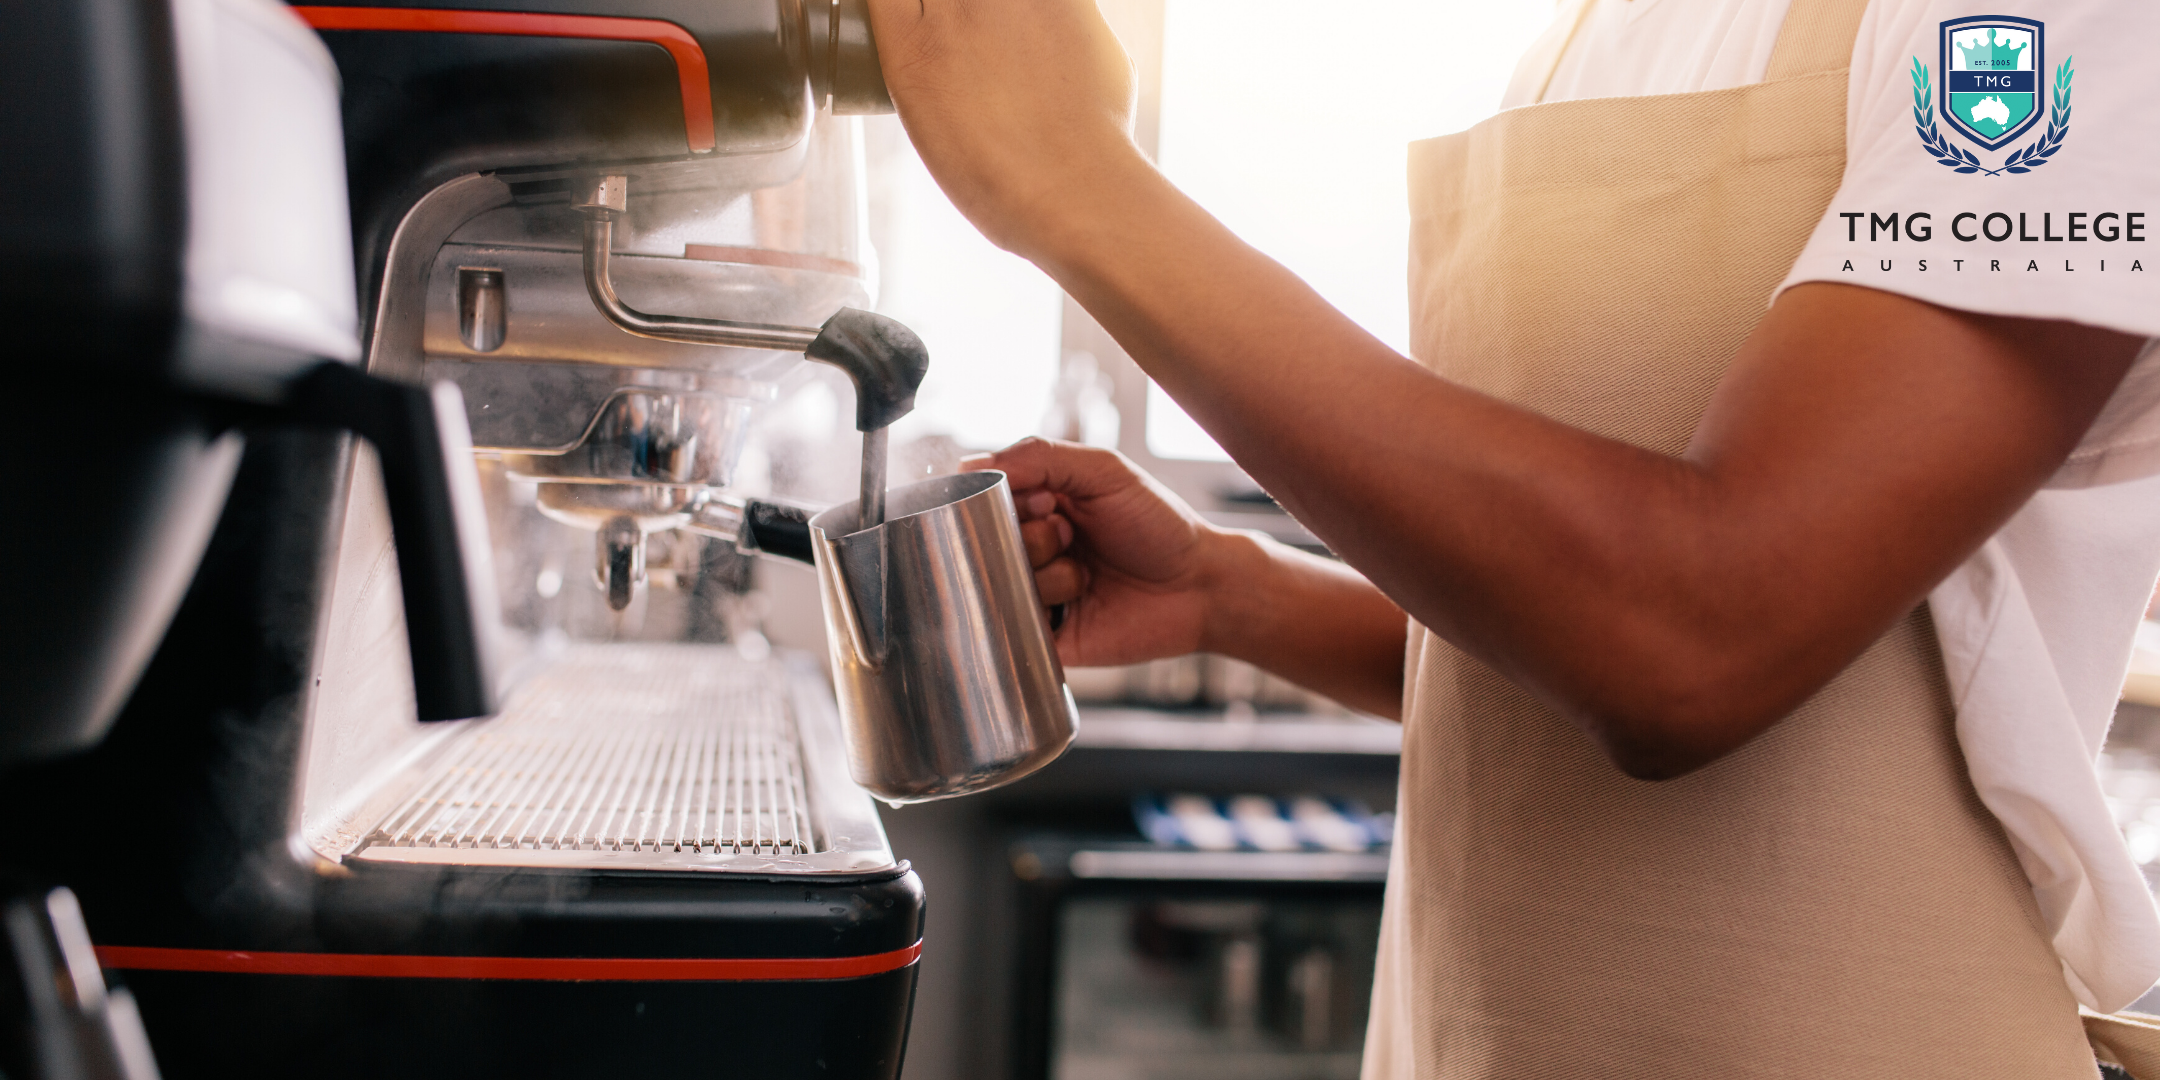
550, 968
690, 67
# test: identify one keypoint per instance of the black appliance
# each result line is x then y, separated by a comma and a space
651, 862
154, 331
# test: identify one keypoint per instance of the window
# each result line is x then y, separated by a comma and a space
1289, 121
989, 318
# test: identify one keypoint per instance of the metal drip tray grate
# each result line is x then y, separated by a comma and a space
669, 755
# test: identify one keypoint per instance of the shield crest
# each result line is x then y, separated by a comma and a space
1991, 67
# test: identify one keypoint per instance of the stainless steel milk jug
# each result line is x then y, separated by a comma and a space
941, 653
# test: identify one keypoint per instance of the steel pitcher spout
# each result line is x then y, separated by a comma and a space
860, 590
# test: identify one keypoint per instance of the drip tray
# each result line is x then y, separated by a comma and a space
641, 756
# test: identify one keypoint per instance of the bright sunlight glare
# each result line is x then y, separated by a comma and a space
1289, 122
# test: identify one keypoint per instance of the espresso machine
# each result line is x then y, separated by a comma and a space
619, 229
175, 268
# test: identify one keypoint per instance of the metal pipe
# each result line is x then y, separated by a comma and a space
873, 478
605, 198
599, 236
605, 201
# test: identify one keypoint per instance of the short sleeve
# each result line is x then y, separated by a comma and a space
2002, 163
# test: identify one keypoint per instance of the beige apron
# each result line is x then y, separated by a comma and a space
1830, 901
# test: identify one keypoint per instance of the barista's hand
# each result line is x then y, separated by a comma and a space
1015, 107
1132, 563
1142, 577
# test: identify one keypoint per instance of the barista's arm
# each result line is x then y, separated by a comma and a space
1860, 447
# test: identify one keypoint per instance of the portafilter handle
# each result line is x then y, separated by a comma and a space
884, 359
758, 526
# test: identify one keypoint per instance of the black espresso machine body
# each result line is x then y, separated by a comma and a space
250, 955
687, 884
176, 275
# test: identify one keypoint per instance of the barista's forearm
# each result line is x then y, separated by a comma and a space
1310, 620
1506, 533
1861, 445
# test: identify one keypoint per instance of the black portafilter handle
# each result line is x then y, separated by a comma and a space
777, 528
444, 563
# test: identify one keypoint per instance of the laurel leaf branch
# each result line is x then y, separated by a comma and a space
1946, 153
1960, 160
2040, 150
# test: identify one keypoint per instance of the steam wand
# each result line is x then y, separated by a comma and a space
884, 359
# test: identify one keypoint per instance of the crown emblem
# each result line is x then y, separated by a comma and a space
1992, 92
1991, 49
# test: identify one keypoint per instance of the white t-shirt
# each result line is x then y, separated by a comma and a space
2037, 627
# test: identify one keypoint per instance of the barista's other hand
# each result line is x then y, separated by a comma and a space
1016, 107
1132, 564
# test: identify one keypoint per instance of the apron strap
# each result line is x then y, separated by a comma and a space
1817, 36
1557, 47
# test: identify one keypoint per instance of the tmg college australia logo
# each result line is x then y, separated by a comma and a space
1991, 94
1997, 95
